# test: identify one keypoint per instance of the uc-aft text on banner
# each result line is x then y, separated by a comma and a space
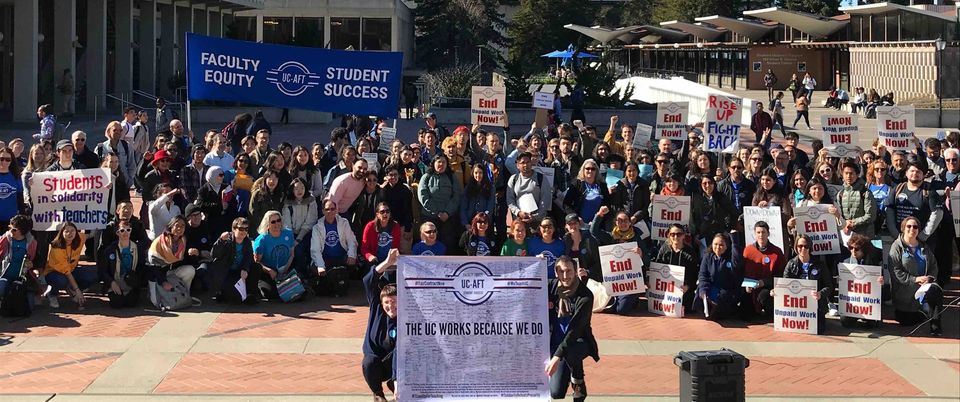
860, 291
78, 196
366, 83
457, 316
665, 289
794, 306
722, 124
667, 210
621, 265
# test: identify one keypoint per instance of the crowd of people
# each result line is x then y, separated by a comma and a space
328, 212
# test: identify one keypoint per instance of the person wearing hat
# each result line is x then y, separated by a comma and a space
623, 231
160, 173
199, 242
65, 158
582, 245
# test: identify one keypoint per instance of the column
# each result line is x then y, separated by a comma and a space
26, 23
148, 46
216, 24
201, 21
96, 52
64, 54
168, 60
184, 25
123, 49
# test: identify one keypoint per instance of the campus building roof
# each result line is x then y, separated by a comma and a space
878, 8
654, 34
601, 34
701, 31
810, 24
753, 30
235, 5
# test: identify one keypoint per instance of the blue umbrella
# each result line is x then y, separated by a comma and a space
566, 54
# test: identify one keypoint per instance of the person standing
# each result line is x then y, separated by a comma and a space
809, 84
164, 116
48, 123
802, 103
761, 123
777, 110
67, 90
769, 80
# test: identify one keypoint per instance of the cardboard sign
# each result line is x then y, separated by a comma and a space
78, 196
387, 135
668, 210
547, 188
665, 289
722, 128
860, 291
794, 307
622, 274
816, 222
672, 120
641, 136
770, 215
895, 127
839, 130
373, 161
543, 100
488, 106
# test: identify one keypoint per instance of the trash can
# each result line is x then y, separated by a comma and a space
712, 375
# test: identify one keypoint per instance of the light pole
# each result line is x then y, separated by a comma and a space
941, 44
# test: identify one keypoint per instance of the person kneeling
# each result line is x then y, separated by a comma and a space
805, 266
381, 339
571, 337
720, 279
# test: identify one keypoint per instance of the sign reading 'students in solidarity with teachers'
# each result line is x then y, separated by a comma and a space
78, 196
327, 80
460, 316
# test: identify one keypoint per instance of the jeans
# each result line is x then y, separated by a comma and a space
85, 276
376, 371
571, 367
806, 117
623, 305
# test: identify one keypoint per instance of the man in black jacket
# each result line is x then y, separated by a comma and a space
379, 365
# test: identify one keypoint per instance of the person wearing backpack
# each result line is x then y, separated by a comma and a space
527, 185
914, 198
855, 203
18, 279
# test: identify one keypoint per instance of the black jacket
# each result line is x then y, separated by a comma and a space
138, 234
579, 326
223, 254
816, 271
469, 242
400, 199
573, 201
710, 216
588, 255
635, 201
746, 189
107, 259
686, 258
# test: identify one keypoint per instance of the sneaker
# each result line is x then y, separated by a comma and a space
52, 299
935, 329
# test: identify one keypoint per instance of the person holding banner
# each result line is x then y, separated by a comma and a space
804, 266
917, 297
862, 252
571, 336
477, 240
428, 244
720, 280
676, 251
379, 364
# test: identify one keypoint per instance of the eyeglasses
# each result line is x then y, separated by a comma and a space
546, 226
275, 221
879, 169
950, 159
853, 248
221, 175
674, 234
661, 161
383, 211
800, 246
912, 227
430, 232
756, 159
242, 161
80, 140
6, 160
242, 228
588, 169
737, 167
124, 230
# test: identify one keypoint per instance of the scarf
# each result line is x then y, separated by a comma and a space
666, 191
164, 248
565, 305
622, 237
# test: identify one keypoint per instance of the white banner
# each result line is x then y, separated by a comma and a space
895, 126
770, 215
722, 129
860, 291
487, 106
665, 289
456, 318
672, 120
621, 269
78, 196
668, 210
794, 307
839, 130
955, 208
817, 222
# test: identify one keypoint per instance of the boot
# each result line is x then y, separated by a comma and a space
579, 390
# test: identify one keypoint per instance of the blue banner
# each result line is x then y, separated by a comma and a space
365, 83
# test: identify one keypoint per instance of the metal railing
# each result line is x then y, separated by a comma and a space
126, 99
123, 103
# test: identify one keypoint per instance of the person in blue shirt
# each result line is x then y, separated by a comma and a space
477, 240
233, 254
720, 279
378, 364
332, 246
122, 264
549, 245
428, 244
273, 248
11, 187
587, 193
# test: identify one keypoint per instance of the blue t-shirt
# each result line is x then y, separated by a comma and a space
10, 190
384, 242
552, 250
880, 193
331, 241
592, 200
483, 249
126, 260
275, 251
237, 256
422, 248
18, 248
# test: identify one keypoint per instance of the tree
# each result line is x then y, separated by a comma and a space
631, 12
827, 8
688, 10
537, 28
449, 31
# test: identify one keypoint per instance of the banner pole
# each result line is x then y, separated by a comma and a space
186, 50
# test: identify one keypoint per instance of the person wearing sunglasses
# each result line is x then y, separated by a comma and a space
711, 212
677, 251
273, 250
233, 257
950, 182
805, 266
548, 244
11, 187
587, 193
82, 154
478, 240
18, 249
332, 244
121, 265
917, 297
720, 279
379, 236
138, 232
862, 252
428, 244
915, 198
623, 231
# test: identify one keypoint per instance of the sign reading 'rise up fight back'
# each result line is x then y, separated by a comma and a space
327, 80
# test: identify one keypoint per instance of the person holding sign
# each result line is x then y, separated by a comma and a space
720, 279
862, 252
804, 266
917, 298
762, 261
378, 364
623, 232
675, 251
571, 337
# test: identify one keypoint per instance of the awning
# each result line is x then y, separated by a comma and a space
753, 30
234, 5
813, 25
654, 34
601, 34
878, 8
701, 31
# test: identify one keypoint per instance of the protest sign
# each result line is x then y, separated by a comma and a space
860, 291
546, 188
770, 215
621, 269
665, 289
895, 126
373, 161
613, 177
641, 136
844, 151
78, 196
353, 82
387, 135
668, 210
818, 223
487, 106
454, 310
955, 208
722, 129
672, 120
839, 130
794, 307
543, 100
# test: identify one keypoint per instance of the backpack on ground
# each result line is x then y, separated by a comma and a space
336, 282
177, 298
16, 302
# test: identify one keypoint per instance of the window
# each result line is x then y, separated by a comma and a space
309, 32
376, 34
243, 28
344, 33
278, 30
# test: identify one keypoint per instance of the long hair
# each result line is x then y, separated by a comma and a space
264, 227
168, 230
483, 188
34, 165
296, 167
14, 162
872, 177
306, 189
581, 175
475, 222
60, 242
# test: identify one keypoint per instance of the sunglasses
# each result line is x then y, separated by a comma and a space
124, 230
736, 167
383, 211
6, 160
241, 228
484, 223
80, 140
756, 159
674, 234
275, 221
912, 227
801, 246
853, 248
589, 169
329, 209
950, 159
661, 161
546, 226
430, 232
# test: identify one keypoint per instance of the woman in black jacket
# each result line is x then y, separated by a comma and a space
676, 251
587, 193
233, 257
121, 265
211, 201
622, 232
571, 337
632, 194
712, 212
805, 266
400, 199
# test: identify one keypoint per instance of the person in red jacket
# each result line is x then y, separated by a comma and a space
379, 236
762, 261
